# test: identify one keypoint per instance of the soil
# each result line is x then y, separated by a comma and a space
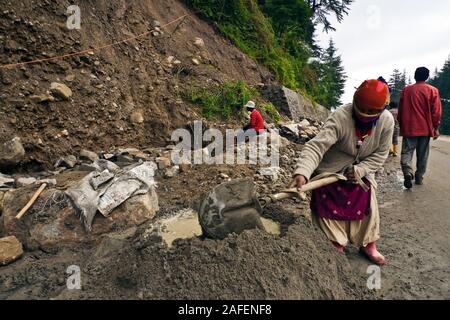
111, 84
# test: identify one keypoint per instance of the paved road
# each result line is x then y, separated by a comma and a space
415, 228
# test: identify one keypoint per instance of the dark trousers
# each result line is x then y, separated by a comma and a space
422, 146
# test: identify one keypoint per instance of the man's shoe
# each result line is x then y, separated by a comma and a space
408, 181
419, 180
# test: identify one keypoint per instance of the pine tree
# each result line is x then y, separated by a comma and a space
442, 82
397, 83
323, 8
333, 76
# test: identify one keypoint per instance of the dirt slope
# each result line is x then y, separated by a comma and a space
111, 84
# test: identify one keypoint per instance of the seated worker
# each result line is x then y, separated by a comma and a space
256, 121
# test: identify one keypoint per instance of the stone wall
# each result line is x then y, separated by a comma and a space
292, 104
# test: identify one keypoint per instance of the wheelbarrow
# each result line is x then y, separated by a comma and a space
233, 207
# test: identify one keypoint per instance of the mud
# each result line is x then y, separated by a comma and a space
254, 265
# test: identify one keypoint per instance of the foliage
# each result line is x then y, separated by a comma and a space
322, 9
280, 35
223, 101
271, 111
332, 78
397, 83
442, 82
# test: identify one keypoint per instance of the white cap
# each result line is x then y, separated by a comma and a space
250, 105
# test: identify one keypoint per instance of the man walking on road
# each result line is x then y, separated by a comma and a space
419, 116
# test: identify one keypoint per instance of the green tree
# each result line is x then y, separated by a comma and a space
442, 82
397, 83
323, 8
280, 35
333, 77
290, 18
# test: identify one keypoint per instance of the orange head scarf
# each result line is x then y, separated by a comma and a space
372, 94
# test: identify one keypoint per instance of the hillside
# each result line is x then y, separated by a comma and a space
111, 84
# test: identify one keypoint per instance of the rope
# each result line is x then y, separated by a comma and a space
445, 100
87, 51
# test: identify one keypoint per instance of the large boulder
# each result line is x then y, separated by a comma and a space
292, 104
60, 223
11, 153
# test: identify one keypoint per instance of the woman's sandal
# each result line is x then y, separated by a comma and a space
340, 248
371, 253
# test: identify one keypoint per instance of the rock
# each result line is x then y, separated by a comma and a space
170, 59
271, 172
60, 91
87, 167
136, 117
6, 182
199, 43
67, 162
304, 124
185, 166
136, 153
293, 104
11, 153
156, 24
291, 127
224, 176
139, 208
2, 194
284, 142
21, 182
49, 182
171, 172
195, 61
163, 163
106, 165
309, 132
65, 133
10, 250
88, 155
124, 159
42, 98
70, 77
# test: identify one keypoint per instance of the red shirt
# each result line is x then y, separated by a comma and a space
256, 121
420, 110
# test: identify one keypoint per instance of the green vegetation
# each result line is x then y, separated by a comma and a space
227, 100
223, 101
442, 82
398, 82
279, 34
271, 111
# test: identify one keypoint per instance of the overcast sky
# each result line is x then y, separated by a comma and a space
380, 35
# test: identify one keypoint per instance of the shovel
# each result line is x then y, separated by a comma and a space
232, 207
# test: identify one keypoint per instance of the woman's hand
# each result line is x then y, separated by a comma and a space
351, 175
298, 182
